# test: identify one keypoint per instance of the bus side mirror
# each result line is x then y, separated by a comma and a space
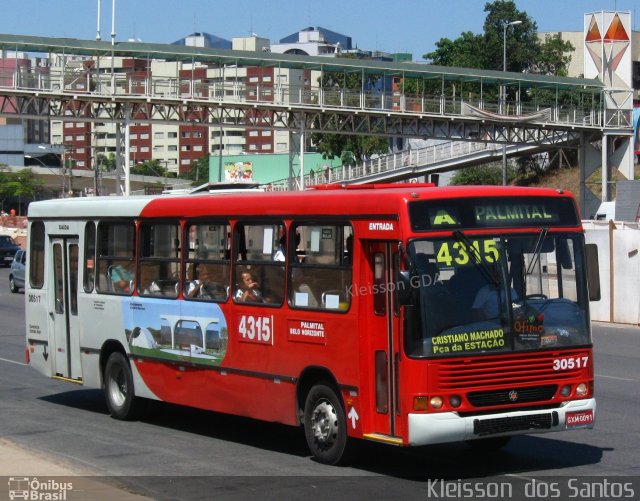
593, 272
403, 288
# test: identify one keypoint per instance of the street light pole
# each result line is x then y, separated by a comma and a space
64, 171
504, 93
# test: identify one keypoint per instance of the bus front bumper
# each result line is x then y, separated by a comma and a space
443, 427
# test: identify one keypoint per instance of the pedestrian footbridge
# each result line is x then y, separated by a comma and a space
303, 95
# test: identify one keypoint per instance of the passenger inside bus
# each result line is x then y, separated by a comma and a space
248, 289
281, 252
121, 276
148, 285
206, 286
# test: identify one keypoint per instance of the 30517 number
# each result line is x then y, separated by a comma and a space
570, 363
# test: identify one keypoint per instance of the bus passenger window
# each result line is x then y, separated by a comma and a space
89, 255
159, 267
207, 270
322, 278
115, 259
259, 275
36, 255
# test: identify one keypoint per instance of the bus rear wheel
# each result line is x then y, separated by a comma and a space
325, 426
118, 389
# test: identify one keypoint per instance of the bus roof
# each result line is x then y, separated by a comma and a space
329, 200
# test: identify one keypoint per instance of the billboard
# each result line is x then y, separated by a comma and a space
238, 171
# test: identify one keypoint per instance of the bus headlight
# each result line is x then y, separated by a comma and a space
436, 402
566, 390
455, 401
582, 390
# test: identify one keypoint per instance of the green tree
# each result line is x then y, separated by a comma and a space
106, 163
489, 174
23, 183
521, 39
466, 51
553, 58
199, 172
525, 51
149, 168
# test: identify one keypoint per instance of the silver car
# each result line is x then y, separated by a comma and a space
16, 273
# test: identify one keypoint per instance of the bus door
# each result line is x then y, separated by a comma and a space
385, 332
64, 308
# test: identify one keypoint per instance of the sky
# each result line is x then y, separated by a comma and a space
412, 26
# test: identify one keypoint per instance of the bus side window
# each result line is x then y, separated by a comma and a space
36, 255
115, 257
207, 269
323, 278
259, 278
159, 266
89, 255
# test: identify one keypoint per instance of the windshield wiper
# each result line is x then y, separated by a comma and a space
476, 259
537, 250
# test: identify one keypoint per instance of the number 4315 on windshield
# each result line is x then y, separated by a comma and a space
459, 252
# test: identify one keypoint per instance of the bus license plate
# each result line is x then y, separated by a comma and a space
578, 419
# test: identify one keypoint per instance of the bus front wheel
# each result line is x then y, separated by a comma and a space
325, 426
118, 388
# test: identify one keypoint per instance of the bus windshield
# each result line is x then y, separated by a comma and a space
493, 294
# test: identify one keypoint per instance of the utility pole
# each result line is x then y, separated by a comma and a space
504, 93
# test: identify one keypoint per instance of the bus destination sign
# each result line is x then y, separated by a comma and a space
504, 212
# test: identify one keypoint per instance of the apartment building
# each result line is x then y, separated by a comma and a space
175, 146
15, 133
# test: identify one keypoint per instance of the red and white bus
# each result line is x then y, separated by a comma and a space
403, 314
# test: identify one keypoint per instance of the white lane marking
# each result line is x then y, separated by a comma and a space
614, 377
12, 361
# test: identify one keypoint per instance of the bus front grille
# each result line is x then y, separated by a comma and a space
501, 371
515, 423
512, 396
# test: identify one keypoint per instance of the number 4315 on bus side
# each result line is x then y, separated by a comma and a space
255, 329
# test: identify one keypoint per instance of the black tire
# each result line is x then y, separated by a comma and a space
118, 389
325, 426
489, 444
12, 284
